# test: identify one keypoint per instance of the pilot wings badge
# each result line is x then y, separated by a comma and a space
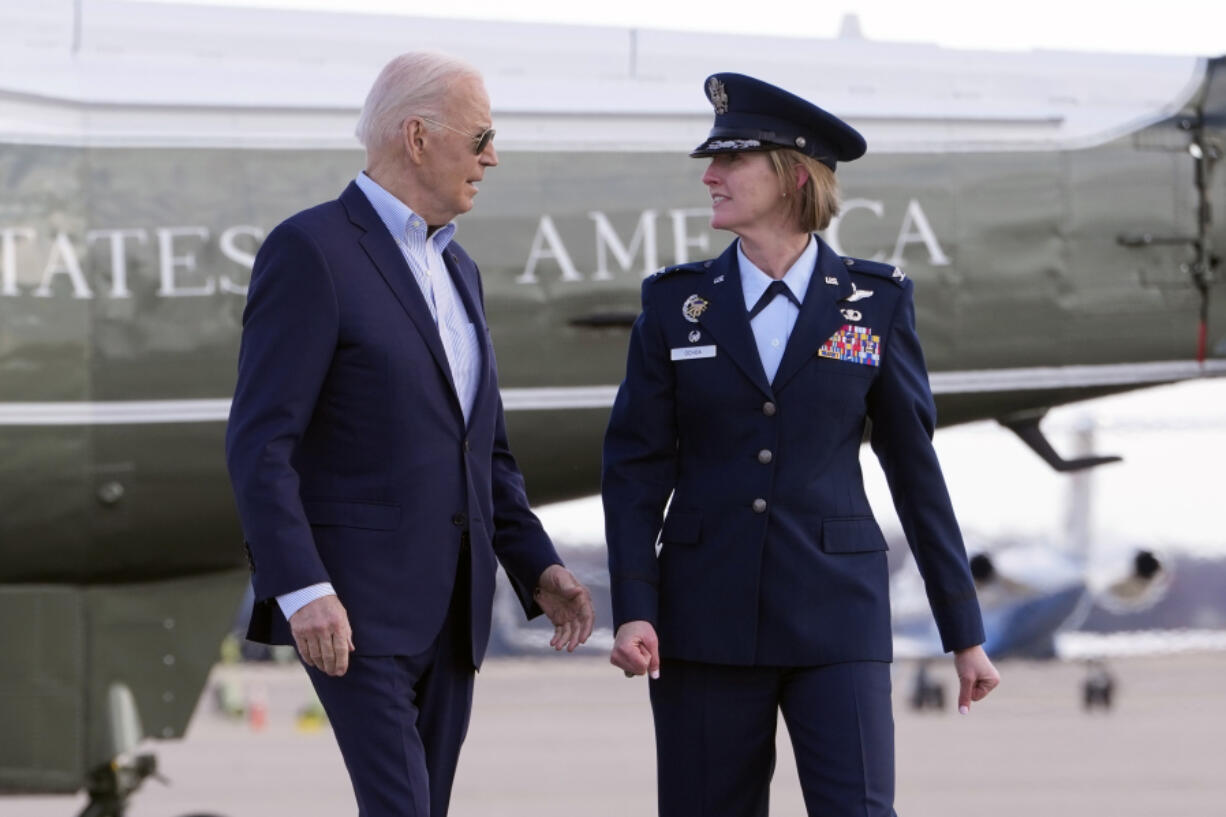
858, 294
717, 94
693, 308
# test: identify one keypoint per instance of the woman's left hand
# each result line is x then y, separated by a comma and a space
976, 676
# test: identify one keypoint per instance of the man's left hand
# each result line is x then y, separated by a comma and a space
569, 606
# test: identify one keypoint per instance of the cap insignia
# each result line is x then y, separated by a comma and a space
732, 144
800, 142
693, 308
719, 97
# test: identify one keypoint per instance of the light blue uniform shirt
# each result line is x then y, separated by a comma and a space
773, 325
424, 255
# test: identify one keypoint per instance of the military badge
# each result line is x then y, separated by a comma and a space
898, 274
858, 294
830, 279
855, 344
717, 94
733, 144
851, 314
695, 336
693, 308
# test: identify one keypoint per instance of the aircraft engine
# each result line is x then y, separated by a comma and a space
1135, 585
983, 571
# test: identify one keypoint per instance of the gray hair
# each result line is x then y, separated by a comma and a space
416, 83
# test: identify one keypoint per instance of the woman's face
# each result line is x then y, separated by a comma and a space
745, 193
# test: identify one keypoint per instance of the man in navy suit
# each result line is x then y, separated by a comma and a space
750, 381
368, 451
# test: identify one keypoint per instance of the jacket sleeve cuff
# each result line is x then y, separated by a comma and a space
960, 624
635, 600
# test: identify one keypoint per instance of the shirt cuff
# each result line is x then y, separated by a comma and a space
291, 603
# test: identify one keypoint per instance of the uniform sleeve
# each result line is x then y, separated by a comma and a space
290, 326
903, 419
639, 470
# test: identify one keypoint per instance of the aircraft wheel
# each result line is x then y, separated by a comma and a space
1098, 691
926, 693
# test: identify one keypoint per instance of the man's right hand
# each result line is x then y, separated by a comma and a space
636, 649
322, 635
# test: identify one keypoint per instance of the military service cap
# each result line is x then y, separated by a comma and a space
752, 115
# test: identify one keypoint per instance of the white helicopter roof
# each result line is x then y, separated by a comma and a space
124, 73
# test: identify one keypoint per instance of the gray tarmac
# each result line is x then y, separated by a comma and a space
568, 735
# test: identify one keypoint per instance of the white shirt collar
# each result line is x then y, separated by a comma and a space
399, 218
754, 281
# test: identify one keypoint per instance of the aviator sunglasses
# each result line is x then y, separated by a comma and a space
480, 142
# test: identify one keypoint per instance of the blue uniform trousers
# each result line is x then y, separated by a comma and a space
715, 737
400, 720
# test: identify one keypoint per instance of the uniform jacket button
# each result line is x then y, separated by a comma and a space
458, 520
759, 505
768, 408
765, 456
467, 447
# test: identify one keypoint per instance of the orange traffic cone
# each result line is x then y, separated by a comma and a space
257, 709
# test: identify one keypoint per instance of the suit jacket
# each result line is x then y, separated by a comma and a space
349, 454
769, 553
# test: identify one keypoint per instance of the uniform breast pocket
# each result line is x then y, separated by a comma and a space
846, 368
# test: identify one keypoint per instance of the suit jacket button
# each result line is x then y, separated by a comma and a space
768, 408
759, 506
458, 520
467, 447
765, 456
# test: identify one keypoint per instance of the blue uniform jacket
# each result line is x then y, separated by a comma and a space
769, 553
348, 451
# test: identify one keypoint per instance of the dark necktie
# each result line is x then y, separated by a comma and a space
776, 288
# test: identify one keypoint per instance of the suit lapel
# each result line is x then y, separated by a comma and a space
819, 315
727, 320
383, 252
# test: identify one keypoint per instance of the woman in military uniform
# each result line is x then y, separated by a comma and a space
749, 383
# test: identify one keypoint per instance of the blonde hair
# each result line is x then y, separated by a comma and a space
416, 83
815, 203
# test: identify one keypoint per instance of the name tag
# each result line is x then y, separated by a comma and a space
693, 352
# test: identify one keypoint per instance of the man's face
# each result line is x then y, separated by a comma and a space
451, 169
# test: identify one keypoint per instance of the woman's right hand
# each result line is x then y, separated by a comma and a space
636, 650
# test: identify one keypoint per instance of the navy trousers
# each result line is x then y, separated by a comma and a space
400, 720
715, 737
